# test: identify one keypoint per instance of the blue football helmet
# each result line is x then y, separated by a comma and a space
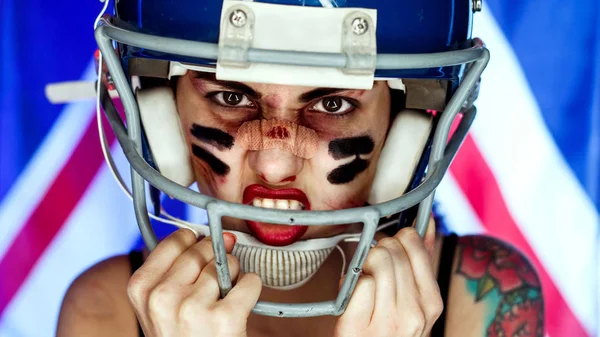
422, 48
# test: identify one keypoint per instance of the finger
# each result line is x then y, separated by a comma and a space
188, 266
141, 288
157, 264
380, 266
405, 282
430, 299
341, 282
419, 261
166, 252
408, 299
429, 239
207, 285
229, 240
244, 295
408, 304
359, 312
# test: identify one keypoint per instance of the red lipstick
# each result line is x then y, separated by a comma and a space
271, 234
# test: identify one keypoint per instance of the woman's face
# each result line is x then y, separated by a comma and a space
338, 138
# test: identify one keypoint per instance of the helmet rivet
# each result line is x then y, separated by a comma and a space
238, 18
477, 5
359, 26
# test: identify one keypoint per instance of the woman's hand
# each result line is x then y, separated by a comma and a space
176, 293
397, 295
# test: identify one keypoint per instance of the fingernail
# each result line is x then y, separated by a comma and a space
232, 236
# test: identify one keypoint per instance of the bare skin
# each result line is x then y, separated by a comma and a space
397, 294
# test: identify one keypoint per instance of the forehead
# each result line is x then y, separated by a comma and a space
278, 90
210, 80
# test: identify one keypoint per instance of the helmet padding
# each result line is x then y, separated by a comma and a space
160, 120
400, 155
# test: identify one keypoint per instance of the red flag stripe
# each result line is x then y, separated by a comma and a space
479, 185
51, 214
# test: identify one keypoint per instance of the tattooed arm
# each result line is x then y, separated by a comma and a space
494, 292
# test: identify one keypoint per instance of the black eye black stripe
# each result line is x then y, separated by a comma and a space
219, 167
347, 172
215, 137
348, 147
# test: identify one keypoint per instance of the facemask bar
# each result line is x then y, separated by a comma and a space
130, 139
369, 218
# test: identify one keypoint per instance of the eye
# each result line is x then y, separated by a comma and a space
233, 99
333, 105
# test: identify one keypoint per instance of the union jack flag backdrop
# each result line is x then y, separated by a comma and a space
528, 173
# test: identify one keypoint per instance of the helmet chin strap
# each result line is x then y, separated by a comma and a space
289, 267
278, 268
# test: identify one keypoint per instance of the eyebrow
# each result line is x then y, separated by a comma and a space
239, 87
234, 86
317, 93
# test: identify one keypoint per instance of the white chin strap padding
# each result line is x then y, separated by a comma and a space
401, 153
165, 137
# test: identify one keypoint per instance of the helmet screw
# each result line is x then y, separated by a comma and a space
238, 18
359, 26
477, 5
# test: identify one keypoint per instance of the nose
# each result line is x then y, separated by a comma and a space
275, 166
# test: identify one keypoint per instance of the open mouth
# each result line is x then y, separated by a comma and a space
287, 199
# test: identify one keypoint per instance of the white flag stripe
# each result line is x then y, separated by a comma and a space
76, 247
455, 208
542, 194
50, 157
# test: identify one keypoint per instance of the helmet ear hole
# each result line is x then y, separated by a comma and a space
400, 155
166, 141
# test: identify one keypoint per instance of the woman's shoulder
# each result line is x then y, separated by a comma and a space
96, 303
494, 290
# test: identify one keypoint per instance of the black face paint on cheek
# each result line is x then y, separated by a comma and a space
215, 137
353, 146
348, 147
347, 172
219, 167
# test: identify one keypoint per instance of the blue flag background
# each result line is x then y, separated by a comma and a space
537, 135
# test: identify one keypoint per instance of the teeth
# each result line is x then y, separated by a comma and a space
295, 205
282, 204
268, 203
278, 203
